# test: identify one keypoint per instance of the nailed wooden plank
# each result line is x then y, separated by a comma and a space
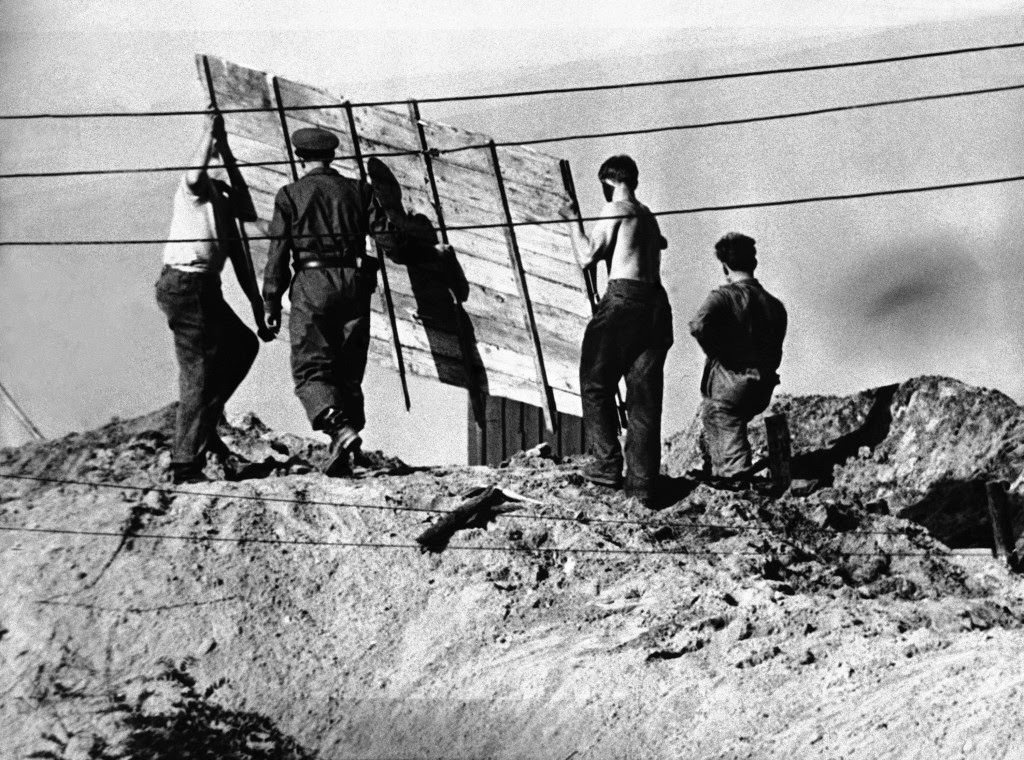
437, 340
513, 427
495, 441
533, 425
502, 345
571, 440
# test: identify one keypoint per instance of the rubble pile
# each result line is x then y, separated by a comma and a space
923, 450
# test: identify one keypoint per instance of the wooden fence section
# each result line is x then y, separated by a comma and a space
513, 347
512, 426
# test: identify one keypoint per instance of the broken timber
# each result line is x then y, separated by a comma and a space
1002, 525
504, 348
776, 430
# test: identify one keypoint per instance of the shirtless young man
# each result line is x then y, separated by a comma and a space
628, 336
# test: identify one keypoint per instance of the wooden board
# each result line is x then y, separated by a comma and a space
466, 189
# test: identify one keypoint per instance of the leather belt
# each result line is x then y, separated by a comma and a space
324, 262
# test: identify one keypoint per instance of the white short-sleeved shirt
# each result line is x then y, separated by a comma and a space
193, 218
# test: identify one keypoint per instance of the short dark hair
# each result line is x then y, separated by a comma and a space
620, 168
737, 251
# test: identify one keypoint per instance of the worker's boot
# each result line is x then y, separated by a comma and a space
344, 440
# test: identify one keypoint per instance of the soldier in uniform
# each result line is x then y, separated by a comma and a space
213, 347
319, 230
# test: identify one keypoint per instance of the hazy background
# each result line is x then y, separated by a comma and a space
877, 290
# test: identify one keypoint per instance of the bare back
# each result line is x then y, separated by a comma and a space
634, 241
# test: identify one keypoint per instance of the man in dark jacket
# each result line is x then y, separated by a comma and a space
322, 220
741, 327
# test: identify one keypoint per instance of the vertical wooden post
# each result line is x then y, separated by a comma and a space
466, 348
589, 276
20, 415
276, 87
519, 274
385, 284
242, 232
999, 515
777, 432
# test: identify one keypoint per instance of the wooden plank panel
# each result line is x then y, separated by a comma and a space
513, 427
571, 435
532, 181
533, 426
495, 449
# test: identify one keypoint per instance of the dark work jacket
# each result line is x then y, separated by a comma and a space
741, 327
322, 214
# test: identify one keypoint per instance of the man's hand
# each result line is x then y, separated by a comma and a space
570, 211
272, 317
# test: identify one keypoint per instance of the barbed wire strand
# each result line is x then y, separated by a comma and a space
542, 222
539, 91
380, 546
584, 520
555, 139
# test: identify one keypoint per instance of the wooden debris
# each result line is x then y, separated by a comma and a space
480, 507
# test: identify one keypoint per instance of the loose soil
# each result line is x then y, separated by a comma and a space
302, 621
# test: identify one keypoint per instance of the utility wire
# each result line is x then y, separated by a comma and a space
155, 169
558, 138
540, 222
584, 520
379, 546
541, 91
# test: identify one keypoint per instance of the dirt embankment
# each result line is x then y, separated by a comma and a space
921, 450
290, 615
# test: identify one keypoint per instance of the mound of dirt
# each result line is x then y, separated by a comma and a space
924, 449
291, 615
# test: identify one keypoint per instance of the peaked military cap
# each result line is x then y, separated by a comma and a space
310, 142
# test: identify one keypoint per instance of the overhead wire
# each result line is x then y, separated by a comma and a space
539, 91
542, 222
557, 138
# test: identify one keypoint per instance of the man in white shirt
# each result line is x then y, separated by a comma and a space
214, 348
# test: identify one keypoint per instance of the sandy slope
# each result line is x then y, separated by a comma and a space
770, 637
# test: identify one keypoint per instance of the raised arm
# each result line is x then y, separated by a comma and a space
241, 199
277, 273
195, 177
600, 245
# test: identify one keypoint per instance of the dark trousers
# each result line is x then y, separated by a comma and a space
214, 350
731, 399
628, 336
329, 327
